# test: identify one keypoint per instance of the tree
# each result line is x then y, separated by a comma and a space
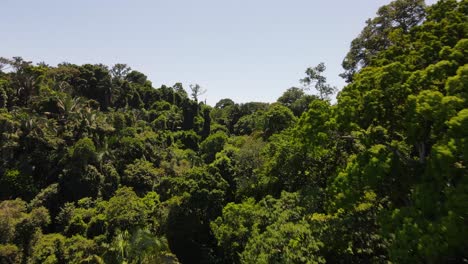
375, 37
9, 253
94, 82
212, 145
55, 248
20, 227
125, 211
119, 71
315, 77
234, 228
17, 184
224, 103
290, 96
49, 249
269, 231
84, 152
25, 79
295, 99
200, 198
142, 176
196, 91
379, 176
276, 119
136, 77
284, 243
139, 246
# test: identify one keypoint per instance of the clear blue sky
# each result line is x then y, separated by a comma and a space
246, 50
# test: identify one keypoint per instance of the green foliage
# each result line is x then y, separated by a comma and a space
374, 38
55, 248
248, 124
12, 212
187, 139
276, 119
283, 243
235, 227
20, 227
315, 77
290, 96
84, 151
266, 232
16, 184
212, 145
49, 249
139, 247
247, 160
142, 176
125, 210
9, 254
104, 168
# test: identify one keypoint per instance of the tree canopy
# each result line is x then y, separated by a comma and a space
99, 166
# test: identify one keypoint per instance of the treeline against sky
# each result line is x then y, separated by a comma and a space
98, 166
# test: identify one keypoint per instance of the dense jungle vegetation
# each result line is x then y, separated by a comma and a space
98, 166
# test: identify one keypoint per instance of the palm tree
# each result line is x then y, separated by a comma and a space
24, 78
140, 247
68, 106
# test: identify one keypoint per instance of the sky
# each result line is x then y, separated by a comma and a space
246, 50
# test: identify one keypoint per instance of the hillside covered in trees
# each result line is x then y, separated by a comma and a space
98, 166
